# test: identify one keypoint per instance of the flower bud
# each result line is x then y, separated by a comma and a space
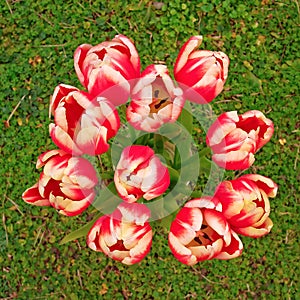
140, 173
82, 125
234, 139
66, 183
201, 232
200, 73
109, 68
155, 100
245, 203
125, 235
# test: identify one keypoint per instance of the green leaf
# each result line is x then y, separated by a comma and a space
170, 130
107, 175
143, 140
177, 159
196, 194
106, 202
204, 152
158, 143
167, 221
174, 175
254, 81
83, 231
207, 7
107, 199
205, 165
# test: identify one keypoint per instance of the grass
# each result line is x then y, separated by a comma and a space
38, 39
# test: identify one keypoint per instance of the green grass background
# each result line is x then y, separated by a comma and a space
38, 39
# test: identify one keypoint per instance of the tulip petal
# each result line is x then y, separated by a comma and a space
63, 140
234, 160
32, 196
44, 157
93, 234
184, 233
218, 223
59, 93
135, 213
155, 100
132, 234
264, 183
207, 252
255, 232
180, 252
120, 239
92, 140
134, 56
140, 250
224, 124
192, 44
79, 56
69, 207
234, 249
55, 166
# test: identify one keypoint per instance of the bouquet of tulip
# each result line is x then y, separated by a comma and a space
139, 127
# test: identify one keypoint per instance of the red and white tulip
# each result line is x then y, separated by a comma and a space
109, 68
155, 100
245, 203
200, 73
66, 183
82, 125
140, 173
201, 232
234, 139
125, 235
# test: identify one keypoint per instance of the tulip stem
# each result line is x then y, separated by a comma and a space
104, 173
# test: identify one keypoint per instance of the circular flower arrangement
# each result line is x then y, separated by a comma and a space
152, 166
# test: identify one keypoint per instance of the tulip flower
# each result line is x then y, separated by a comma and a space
109, 68
201, 232
140, 173
246, 205
82, 125
201, 73
125, 235
155, 100
234, 139
66, 183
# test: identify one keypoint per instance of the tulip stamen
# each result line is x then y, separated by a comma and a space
205, 236
200, 239
197, 239
157, 106
158, 103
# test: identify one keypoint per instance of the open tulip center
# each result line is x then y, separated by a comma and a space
204, 237
53, 187
160, 99
119, 246
253, 123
